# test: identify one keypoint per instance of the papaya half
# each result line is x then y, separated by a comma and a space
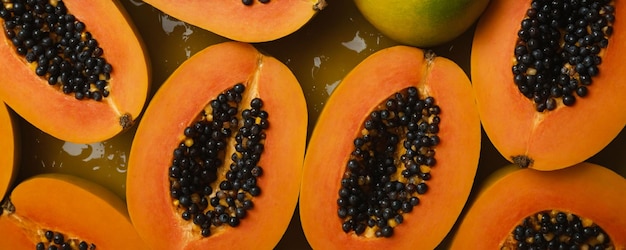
220, 147
58, 210
393, 155
76, 70
576, 207
8, 149
547, 79
245, 20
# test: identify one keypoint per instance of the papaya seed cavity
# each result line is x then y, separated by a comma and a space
390, 165
58, 47
559, 50
211, 184
553, 229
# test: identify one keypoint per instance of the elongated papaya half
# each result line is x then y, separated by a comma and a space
216, 161
63, 210
74, 69
579, 207
8, 149
243, 20
547, 78
393, 156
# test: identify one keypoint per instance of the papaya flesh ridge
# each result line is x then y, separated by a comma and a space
585, 189
259, 22
552, 139
83, 121
8, 149
73, 206
176, 105
363, 89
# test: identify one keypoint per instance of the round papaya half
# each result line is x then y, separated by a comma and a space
547, 79
58, 210
244, 20
76, 70
8, 149
579, 207
393, 156
216, 160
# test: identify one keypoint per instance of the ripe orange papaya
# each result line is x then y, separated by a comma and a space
8, 149
221, 147
576, 207
245, 20
58, 210
75, 70
547, 79
393, 155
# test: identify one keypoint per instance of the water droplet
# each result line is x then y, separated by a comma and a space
357, 43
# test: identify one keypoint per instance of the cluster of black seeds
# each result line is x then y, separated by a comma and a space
56, 241
250, 2
194, 171
63, 52
382, 182
558, 49
559, 230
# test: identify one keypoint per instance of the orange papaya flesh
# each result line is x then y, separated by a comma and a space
393, 70
8, 149
19, 238
521, 133
188, 94
585, 200
76, 54
256, 22
44, 207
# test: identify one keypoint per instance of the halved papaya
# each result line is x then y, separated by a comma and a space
547, 79
8, 149
220, 147
243, 20
68, 50
58, 209
576, 207
393, 156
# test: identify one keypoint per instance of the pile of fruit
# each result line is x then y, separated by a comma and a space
269, 124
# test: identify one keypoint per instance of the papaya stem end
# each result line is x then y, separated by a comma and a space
7, 206
430, 56
320, 5
126, 121
522, 161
